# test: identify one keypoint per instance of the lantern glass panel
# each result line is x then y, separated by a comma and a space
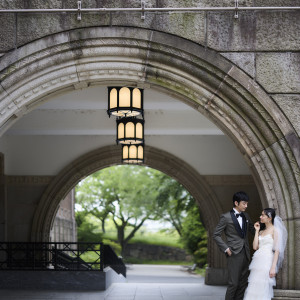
132, 152
121, 131
129, 130
113, 98
136, 98
124, 98
125, 152
140, 152
139, 130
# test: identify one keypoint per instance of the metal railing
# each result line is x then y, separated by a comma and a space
51, 256
113, 261
143, 9
59, 257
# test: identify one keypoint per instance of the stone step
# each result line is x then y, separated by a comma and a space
286, 294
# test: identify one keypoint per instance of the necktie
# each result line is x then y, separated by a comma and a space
238, 215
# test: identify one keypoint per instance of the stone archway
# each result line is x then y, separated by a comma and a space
104, 157
198, 76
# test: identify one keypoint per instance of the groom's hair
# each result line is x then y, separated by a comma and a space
240, 196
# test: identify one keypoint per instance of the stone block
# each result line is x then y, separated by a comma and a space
202, 3
284, 169
187, 25
277, 2
7, 32
48, 280
209, 60
290, 105
296, 259
32, 27
294, 143
277, 30
278, 72
11, 4
216, 276
224, 33
244, 60
43, 4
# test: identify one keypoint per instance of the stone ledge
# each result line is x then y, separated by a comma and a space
216, 276
286, 294
59, 280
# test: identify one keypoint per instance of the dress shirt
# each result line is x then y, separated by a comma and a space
240, 219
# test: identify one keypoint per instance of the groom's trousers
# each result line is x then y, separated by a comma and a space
237, 276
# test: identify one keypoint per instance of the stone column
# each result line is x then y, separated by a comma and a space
23, 194
3, 208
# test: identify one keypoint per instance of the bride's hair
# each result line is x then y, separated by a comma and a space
270, 212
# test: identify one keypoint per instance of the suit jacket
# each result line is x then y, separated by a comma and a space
236, 238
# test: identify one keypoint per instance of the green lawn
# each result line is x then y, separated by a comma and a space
151, 238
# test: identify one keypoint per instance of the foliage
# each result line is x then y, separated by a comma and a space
115, 246
194, 236
125, 193
174, 201
86, 230
127, 196
160, 238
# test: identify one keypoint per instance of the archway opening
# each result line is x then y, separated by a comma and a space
143, 214
196, 75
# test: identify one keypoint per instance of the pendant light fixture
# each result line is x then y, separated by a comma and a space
125, 101
130, 131
133, 154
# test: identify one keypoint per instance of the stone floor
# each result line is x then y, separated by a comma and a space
126, 291
143, 283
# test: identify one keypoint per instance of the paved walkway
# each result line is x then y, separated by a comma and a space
144, 282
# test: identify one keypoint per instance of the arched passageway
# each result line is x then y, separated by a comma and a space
196, 184
197, 76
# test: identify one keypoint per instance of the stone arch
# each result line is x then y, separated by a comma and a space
200, 77
107, 156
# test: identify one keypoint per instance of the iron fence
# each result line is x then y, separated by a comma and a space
113, 261
51, 256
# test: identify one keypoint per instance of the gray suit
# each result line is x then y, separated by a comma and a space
237, 241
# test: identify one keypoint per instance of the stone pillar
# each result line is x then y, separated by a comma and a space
3, 208
23, 194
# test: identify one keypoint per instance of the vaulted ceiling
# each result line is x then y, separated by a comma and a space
69, 125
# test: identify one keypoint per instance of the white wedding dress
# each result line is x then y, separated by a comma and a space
260, 285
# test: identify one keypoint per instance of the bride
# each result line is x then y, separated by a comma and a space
269, 241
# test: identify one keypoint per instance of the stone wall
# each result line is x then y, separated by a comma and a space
154, 252
64, 225
264, 44
255, 42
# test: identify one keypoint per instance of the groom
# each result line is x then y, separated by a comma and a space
236, 224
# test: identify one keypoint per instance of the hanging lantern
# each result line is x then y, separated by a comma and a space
133, 154
130, 131
125, 101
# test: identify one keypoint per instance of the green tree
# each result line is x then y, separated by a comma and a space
179, 208
194, 236
126, 193
174, 201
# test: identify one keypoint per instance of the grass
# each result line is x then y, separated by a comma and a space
151, 238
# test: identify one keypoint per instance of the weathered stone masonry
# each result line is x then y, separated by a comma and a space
243, 74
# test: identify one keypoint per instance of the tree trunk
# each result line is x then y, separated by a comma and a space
121, 238
103, 225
